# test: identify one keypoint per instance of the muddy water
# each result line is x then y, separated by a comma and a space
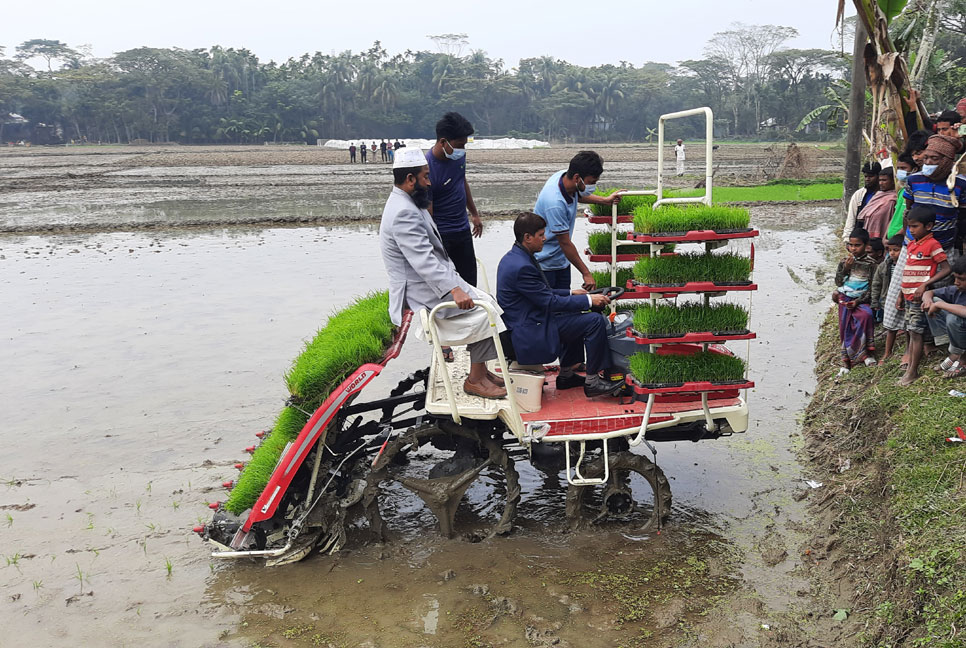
137, 367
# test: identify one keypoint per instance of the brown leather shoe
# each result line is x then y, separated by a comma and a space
485, 389
495, 379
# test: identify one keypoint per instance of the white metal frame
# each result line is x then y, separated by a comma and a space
708, 137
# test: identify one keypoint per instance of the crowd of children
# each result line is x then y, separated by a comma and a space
905, 270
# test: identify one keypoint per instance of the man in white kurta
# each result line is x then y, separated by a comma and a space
421, 274
679, 156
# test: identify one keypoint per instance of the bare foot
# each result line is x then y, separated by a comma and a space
883, 359
907, 380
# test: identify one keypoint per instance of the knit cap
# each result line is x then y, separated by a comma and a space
961, 106
944, 146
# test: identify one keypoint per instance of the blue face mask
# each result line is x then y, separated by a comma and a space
901, 175
587, 190
929, 169
457, 154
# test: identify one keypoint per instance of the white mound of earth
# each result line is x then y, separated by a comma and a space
426, 144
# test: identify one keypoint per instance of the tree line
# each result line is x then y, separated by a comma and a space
754, 83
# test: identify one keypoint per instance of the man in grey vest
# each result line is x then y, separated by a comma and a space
421, 275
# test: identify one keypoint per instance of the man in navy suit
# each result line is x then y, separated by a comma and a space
546, 323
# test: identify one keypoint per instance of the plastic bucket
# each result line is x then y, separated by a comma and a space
528, 389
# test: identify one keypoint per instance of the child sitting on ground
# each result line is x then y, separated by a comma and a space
946, 308
880, 288
856, 321
925, 265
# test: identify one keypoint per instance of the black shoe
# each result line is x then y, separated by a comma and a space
597, 386
569, 382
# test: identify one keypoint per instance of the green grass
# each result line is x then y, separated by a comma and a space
650, 368
692, 267
677, 218
689, 318
253, 478
905, 483
627, 204
624, 273
769, 193
353, 336
599, 243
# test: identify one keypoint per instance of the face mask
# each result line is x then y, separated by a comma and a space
587, 190
929, 169
421, 196
457, 154
901, 175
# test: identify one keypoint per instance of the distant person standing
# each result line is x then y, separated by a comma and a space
352, 153
382, 150
397, 145
390, 153
363, 151
373, 151
679, 156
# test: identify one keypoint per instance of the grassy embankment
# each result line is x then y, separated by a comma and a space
896, 518
353, 336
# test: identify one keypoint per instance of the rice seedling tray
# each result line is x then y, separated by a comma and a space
690, 338
645, 290
694, 236
607, 220
607, 258
645, 389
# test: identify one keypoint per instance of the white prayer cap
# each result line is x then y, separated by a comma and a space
409, 157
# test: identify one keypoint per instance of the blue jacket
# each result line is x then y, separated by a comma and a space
528, 305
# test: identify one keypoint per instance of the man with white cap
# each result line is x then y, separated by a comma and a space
421, 274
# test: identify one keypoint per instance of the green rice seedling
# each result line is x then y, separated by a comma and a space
652, 369
626, 206
168, 566
599, 243
9, 520
602, 277
675, 218
683, 268
352, 337
665, 319
257, 472
769, 193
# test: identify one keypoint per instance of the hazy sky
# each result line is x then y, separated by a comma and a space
586, 33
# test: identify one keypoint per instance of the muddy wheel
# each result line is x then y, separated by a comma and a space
636, 496
471, 459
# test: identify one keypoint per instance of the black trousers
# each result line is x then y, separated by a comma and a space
459, 247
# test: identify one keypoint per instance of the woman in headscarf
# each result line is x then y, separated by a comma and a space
878, 211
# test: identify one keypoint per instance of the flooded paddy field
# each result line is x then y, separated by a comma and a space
138, 365
120, 188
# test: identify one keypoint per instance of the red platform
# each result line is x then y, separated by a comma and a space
689, 338
606, 258
694, 236
691, 287
606, 220
569, 412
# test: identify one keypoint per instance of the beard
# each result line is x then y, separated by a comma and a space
420, 196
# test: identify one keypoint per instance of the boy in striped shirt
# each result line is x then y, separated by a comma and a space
925, 265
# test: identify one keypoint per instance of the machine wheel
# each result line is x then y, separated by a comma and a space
637, 494
470, 457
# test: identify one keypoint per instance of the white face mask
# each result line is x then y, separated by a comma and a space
587, 190
929, 169
901, 175
457, 154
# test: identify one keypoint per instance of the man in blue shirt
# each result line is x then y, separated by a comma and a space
451, 194
557, 204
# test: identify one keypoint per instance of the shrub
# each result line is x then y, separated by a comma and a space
683, 268
666, 319
651, 368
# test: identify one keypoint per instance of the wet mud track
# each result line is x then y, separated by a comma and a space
138, 365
